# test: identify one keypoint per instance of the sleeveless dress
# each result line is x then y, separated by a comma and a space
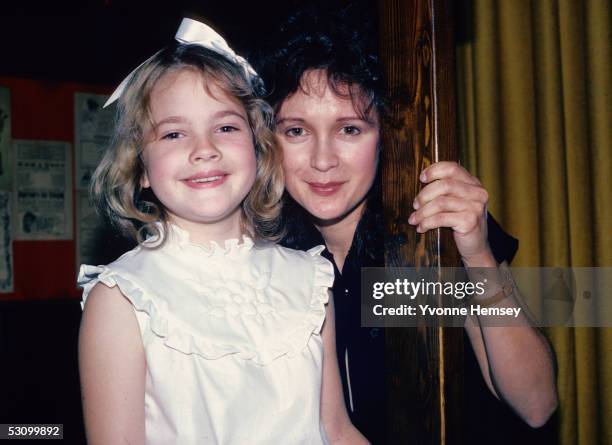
231, 336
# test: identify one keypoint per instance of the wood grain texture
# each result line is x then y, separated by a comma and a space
424, 363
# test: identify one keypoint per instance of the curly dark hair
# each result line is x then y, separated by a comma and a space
340, 41
343, 43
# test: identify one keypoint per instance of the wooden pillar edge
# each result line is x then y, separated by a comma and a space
425, 364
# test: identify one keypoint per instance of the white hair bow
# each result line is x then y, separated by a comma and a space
196, 33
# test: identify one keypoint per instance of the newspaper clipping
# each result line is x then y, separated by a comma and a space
5, 138
88, 228
93, 129
42, 190
6, 251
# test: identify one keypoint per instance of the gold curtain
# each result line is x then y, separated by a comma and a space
535, 108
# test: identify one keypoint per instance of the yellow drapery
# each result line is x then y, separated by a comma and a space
535, 109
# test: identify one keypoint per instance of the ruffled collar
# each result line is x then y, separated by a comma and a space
179, 237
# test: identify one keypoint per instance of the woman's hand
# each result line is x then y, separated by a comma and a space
456, 199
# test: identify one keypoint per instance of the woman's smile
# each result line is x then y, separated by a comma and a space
326, 188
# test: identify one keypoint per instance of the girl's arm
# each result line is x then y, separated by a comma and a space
334, 416
112, 369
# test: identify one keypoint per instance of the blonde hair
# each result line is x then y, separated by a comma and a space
115, 186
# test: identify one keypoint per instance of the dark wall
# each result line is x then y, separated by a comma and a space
39, 380
101, 41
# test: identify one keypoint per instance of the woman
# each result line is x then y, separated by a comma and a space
327, 94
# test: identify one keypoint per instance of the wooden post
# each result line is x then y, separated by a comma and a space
424, 363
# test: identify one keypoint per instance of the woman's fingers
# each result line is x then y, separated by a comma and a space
461, 222
450, 187
440, 204
453, 198
447, 169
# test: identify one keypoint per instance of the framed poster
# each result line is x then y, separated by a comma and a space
93, 130
42, 190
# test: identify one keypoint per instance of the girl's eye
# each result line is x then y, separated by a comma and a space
350, 130
172, 135
227, 129
295, 132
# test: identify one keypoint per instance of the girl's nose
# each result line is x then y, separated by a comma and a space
324, 156
204, 150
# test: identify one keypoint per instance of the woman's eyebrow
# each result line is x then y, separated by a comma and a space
349, 118
356, 118
289, 119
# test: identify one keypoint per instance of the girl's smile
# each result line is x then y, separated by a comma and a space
207, 179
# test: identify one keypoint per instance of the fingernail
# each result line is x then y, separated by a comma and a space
423, 177
415, 205
411, 218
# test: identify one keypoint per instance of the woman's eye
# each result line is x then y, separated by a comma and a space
172, 135
350, 130
295, 132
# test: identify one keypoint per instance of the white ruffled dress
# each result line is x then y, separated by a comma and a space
231, 336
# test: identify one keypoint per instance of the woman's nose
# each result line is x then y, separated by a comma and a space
323, 156
204, 149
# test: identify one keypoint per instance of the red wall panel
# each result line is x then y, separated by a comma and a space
45, 111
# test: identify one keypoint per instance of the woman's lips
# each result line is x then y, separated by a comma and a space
206, 180
325, 188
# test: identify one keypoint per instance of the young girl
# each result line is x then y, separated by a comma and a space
205, 333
